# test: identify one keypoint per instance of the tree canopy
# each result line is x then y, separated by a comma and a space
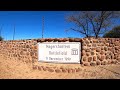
114, 33
1, 38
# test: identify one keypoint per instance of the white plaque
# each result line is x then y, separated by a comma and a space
59, 52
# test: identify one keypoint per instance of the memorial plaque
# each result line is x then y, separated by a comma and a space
59, 52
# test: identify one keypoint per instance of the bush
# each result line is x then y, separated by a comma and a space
1, 39
114, 33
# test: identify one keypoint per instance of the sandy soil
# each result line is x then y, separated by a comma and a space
15, 69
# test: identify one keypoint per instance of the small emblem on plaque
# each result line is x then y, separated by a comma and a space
74, 51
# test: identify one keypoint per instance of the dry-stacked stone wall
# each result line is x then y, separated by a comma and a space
99, 51
57, 69
25, 50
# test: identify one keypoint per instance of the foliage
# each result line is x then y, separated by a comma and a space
1, 39
114, 33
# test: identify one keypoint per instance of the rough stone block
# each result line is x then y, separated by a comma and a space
88, 53
77, 40
89, 59
39, 68
91, 41
108, 56
73, 70
50, 70
95, 41
71, 39
31, 53
93, 63
87, 42
98, 50
86, 64
35, 67
98, 62
102, 48
42, 40
102, 57
116, 47
94, 58
118, 59
94, 45
87, 50
89, 45
98, 56
93, 49
84, 58
103, 63
57, 70
27, 46
109, 61
83, 53
84, 44
102, 52
49, 39
107, 44
69, 71
113, 62
78, 69
92, 53
63, 70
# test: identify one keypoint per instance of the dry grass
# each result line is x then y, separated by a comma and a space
15, 69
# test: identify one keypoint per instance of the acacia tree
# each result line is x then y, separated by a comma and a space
92, 22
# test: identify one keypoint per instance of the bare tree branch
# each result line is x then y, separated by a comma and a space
97, 20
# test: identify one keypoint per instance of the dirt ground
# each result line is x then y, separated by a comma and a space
15, 69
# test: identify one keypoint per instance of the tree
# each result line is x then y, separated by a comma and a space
114, 33
1, 39
92, 22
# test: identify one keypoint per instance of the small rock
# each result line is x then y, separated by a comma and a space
86, 64
73, 70
44, 68
84, 58
89, 59
69, 71
55, 40
64, 70
57, 70
98, 62
50, 70
92, 53
39, 68
98, 50
42, 40
77, 40
92, 63
103, 63
34, 67
78, 69
94, 58
71, 39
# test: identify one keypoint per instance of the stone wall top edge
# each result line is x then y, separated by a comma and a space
61, 39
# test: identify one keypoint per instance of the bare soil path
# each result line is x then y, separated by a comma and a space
15, 69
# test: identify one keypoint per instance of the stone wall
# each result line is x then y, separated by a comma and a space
99, 51
25, 50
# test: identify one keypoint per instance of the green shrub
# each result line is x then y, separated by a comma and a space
114, 33
1, 39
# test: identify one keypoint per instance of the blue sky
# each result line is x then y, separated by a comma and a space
28, 24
